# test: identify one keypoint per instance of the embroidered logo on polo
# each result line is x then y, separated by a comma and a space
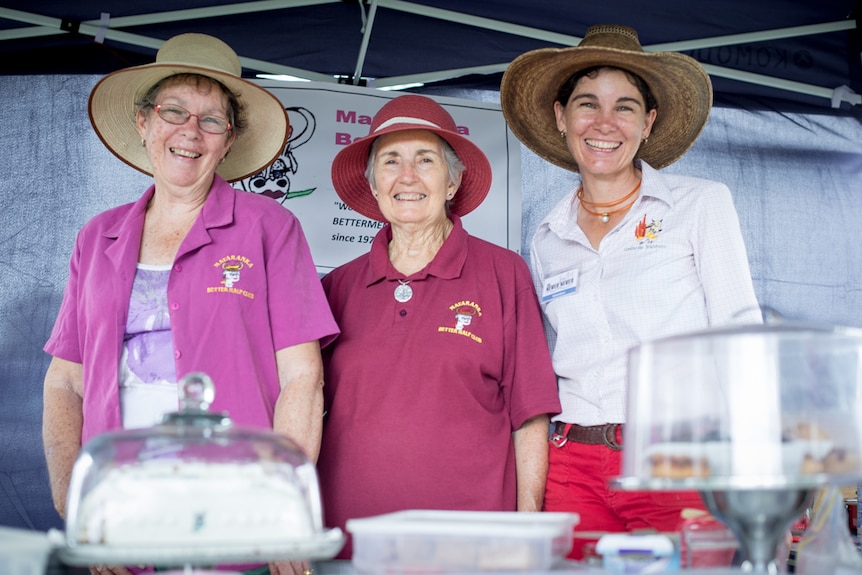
464, 315
231, 270
647, 233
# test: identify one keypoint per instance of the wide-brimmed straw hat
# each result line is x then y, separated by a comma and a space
112, 105
679, 83
410, 112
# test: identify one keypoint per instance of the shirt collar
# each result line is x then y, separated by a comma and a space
447, 264
218, 211
654, 185
560, 218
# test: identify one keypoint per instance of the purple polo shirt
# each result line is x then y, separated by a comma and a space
242, 286
423, 396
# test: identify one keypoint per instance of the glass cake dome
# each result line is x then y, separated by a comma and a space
194, 490
756, 418
771, 405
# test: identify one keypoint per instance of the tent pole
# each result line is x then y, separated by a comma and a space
366, 37
45, 25
779, 83
479, 22
751, 37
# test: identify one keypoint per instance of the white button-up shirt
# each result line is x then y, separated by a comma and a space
676, 263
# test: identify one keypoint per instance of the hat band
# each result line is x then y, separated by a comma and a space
406, 120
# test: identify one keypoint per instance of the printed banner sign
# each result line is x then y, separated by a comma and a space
326, 117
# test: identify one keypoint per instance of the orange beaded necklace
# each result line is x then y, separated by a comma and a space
605, 215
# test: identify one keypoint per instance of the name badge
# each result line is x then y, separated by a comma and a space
559, 285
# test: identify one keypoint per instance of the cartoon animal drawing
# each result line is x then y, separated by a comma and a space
231, 273
653, 229
463, 317
274, 180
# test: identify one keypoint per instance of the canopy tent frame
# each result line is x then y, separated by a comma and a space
109, 28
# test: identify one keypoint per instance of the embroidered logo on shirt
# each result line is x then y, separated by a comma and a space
647, 233
230, 268
465, 314
231, 273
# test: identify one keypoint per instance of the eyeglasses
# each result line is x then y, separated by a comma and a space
173, 114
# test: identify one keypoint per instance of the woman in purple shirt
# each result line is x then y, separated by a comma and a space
195, 275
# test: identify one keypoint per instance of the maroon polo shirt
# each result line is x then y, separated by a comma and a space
422, 396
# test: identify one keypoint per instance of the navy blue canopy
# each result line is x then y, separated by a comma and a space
787, 55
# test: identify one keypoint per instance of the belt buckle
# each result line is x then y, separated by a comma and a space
559, 440
609, 435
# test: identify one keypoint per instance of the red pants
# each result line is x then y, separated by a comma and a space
578, 478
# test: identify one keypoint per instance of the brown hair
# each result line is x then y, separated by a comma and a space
568, 86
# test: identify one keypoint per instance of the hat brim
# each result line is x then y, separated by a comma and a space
112, 114
679, 83
349, 164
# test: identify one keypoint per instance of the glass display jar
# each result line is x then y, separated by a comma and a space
745, 407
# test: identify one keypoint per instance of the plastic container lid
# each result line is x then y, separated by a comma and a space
465, 523
623, 543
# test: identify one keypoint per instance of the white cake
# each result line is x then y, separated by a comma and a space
190, 503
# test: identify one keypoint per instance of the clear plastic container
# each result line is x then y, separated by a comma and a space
196, 489
706, 542
425, 541
761, 406
23, 552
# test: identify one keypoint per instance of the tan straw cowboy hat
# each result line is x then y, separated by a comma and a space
410, 112
112, 105
679, 83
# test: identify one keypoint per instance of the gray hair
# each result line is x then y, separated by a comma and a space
453, 163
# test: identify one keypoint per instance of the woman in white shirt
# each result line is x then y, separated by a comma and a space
630, 254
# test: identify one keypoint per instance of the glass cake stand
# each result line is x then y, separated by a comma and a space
755, 418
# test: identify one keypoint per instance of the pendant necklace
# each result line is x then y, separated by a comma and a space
403, 292
605, 215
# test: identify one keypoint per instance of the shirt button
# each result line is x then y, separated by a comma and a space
177, 354
403, 312
178, 267
175, 306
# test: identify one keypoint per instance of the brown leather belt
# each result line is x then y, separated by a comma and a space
591, 435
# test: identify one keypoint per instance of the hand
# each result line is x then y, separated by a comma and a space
109, 570
290, 568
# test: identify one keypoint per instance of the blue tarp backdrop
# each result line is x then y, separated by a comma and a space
796, 181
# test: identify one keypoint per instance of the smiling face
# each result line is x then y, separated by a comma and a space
185, 155
605, 119
411, 177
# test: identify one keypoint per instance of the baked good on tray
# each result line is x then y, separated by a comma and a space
842, 461
678, 466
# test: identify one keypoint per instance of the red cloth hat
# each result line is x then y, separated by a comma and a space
410, 112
